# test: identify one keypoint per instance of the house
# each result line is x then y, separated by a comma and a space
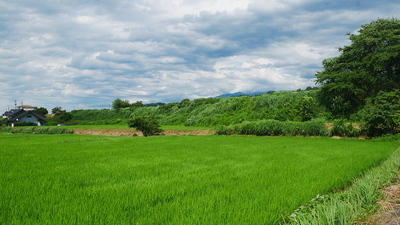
19, 116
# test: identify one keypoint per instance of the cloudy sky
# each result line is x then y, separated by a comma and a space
84, 54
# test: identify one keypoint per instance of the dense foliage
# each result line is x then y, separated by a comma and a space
120, 104
382, 114
369, 65
41, 110
340, 128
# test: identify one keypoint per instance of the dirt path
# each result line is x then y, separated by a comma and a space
389, 214
130, 132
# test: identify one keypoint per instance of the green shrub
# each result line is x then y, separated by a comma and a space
382, 114
148, 125
344, 130
25, 124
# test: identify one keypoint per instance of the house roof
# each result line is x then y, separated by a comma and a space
26, 106
15, 114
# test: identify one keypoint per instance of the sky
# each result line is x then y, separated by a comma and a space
85, 54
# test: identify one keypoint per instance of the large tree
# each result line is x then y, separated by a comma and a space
41, 110
369, 65
119, 104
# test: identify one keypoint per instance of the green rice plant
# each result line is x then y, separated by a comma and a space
78, 179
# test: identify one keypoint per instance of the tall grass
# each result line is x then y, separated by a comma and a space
68, 179
276, 128
37, 130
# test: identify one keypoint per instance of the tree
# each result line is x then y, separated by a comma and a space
119, 104
304, 108
147, 125
63, 117
136, 105
382, 113
369, 65
41, 110
57, 110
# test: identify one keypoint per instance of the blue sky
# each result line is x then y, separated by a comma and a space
85, 54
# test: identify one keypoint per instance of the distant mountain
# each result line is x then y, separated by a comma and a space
238, 94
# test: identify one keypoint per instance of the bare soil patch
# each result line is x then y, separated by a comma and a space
389, 213
130, 132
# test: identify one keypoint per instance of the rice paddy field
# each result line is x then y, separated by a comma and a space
79, 179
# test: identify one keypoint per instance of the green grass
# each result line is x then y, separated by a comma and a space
71, 179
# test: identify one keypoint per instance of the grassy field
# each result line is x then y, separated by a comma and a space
71, 179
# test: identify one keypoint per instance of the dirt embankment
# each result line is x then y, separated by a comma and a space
130, 132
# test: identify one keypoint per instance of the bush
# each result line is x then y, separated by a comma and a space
344, 130
25, 124
382, 114
147, 125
